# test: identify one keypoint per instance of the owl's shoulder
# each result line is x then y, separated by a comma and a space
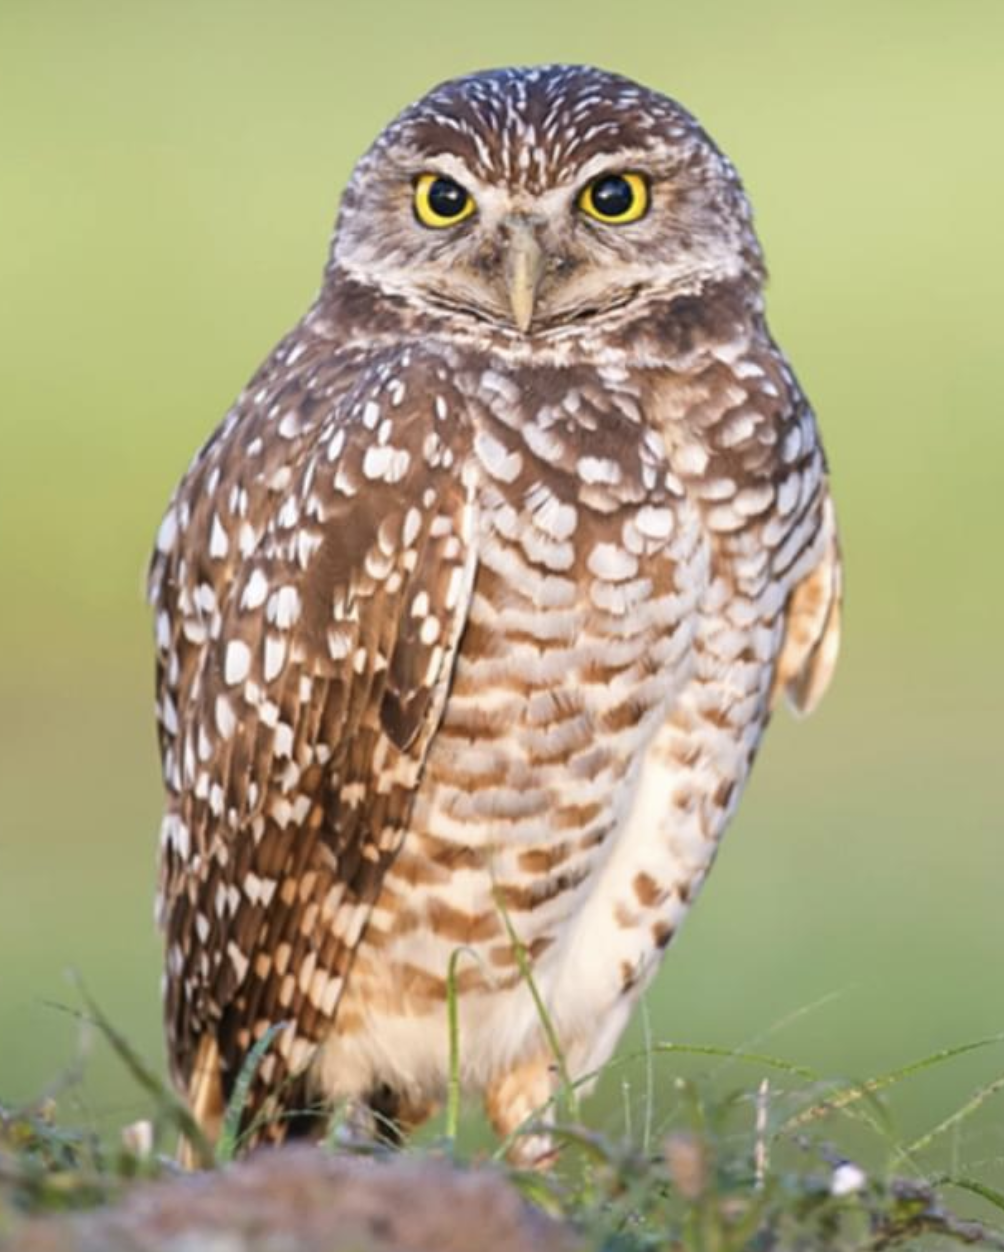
325, 414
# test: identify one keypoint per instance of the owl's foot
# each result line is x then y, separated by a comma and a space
518, 1104
394, 1115
383, 1116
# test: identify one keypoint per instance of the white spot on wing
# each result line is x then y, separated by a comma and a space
255, 592
237, 662
168, 532
226, 722
283, 608
386, 462
275, 657
219, 544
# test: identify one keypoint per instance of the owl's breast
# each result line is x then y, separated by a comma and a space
591, 565
588, 697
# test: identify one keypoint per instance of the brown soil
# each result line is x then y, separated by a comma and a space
299, 1199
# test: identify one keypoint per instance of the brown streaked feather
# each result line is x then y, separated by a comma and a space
330, 679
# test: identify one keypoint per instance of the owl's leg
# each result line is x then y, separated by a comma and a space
205, 1099
522, 1096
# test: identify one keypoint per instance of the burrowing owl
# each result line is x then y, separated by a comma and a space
471, 614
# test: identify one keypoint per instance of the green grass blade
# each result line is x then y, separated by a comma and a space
850, 1094
628, 1117
553, 1042
646, 1025
736, 1054
453, 1028
230, 1133
789, 1019
975, 1102
973, 1185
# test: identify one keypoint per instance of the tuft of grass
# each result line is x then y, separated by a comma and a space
765, 1166
49, 1167
170, 1111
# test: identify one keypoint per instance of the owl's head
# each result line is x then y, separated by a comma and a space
532, 200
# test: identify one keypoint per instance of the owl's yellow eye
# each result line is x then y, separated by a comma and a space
615, 198
439, 201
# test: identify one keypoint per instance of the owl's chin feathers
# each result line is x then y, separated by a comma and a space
458, 315
586, 311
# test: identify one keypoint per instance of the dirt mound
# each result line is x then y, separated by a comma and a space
299, 1199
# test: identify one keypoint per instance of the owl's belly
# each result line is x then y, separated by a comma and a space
533, 811
593, 865
500, 839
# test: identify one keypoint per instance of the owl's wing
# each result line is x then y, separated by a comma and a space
767, 444
812, 623
302, 700
765, 491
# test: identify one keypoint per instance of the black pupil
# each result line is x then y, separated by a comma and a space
612, 196
447, 198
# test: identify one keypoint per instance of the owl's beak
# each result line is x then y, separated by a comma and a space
524, 266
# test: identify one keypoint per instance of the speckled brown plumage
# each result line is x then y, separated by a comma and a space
454, 617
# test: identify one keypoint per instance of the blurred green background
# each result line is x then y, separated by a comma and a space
168, 178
